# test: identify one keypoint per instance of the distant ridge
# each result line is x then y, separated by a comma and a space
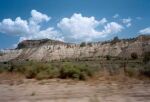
36, 43
48, 50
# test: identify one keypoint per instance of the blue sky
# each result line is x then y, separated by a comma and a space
72, 20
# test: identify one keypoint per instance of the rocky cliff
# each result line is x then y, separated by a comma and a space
47, 50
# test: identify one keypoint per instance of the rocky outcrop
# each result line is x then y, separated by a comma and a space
37, 43
47, 50
9, 55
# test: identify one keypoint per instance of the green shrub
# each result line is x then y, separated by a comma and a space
42, 75
1, 53
21, 68
41, 70
134, 55
146, 70
83, 76
30, 72
131, 72
83, 44
52, 72
68, 71
146, 57
108, 57
74, 71
89, 44
115, 40
4, 68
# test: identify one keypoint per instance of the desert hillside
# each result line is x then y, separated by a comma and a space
48, 50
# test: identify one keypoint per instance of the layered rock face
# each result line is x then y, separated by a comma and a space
47, 50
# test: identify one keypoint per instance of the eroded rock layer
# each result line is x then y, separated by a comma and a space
47, 50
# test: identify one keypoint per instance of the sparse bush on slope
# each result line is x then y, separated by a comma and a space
40, 70
81, 72
83, 44
146, 70
134, 55
146, 56
1, 53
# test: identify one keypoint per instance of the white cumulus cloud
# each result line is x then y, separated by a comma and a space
80, 28
116, 16
38, 17
145, 31
127, 21
112, 27
76, 28
18, 26
103, 21
29, 29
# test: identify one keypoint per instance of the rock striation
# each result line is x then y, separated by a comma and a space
48, 50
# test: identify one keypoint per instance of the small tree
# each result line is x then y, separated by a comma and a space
134, 55
89, 44
146, 57
82, 44
108, 57
115, 40
1, 53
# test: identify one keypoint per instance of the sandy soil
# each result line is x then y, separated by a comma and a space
56, 90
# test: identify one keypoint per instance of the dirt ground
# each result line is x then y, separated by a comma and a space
57, 90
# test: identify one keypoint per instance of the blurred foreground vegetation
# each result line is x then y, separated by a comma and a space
80, 69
